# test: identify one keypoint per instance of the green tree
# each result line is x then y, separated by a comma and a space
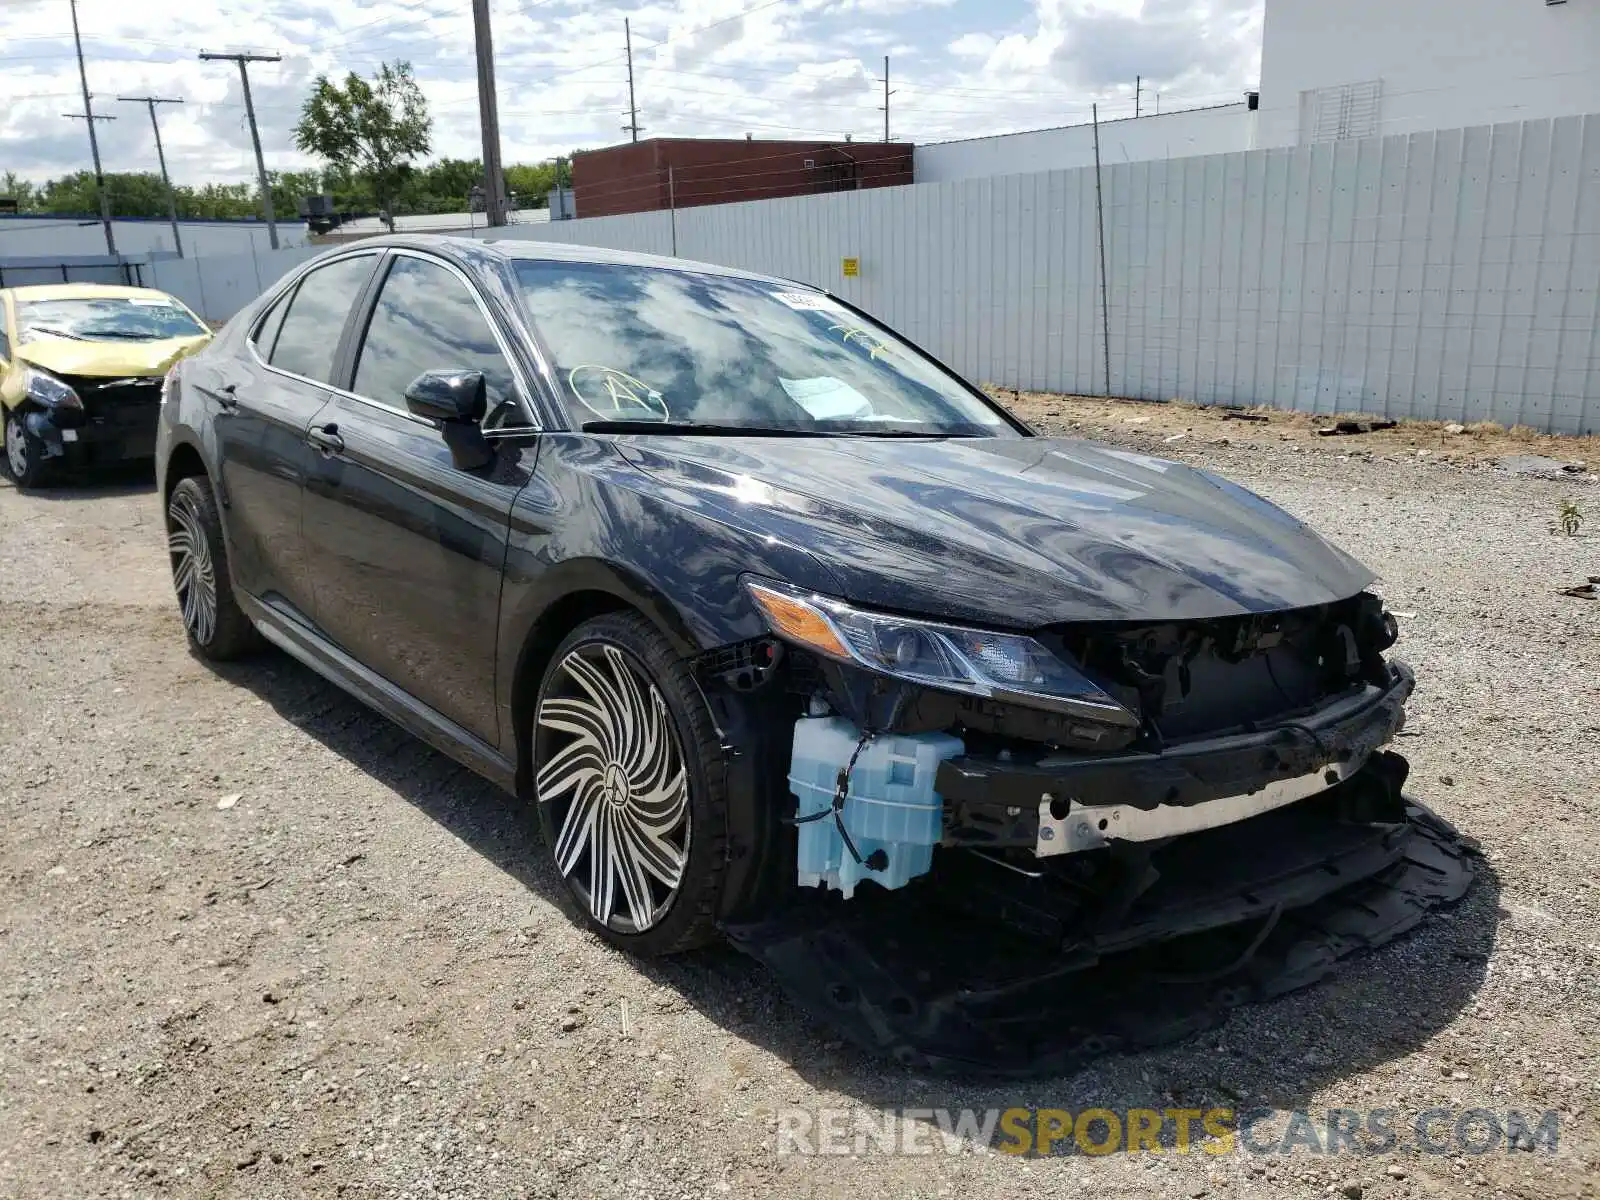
287, 189
218, 201
132, 194
13, 187
530, 183
447, 183
378, 128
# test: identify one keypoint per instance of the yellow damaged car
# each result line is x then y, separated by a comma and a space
81, 368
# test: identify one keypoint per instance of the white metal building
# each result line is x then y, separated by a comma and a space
1218, 130
1362, 67
1346, 69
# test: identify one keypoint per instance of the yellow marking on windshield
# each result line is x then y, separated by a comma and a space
860, 334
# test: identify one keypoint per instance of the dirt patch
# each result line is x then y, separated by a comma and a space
1171, 424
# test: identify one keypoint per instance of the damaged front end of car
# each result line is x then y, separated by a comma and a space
1012, 852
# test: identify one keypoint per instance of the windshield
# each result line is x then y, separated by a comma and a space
106, 319
654, 344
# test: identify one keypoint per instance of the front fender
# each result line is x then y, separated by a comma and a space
591, 522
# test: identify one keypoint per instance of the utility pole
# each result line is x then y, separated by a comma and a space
161, 157
99, 182
886, 94
672, 207
494, 179
255, 134
94, 143
1100, 220
632, 127
1138, 87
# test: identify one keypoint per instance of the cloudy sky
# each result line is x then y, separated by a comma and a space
707, 68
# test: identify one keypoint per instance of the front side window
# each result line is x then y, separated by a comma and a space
309, 335
150, 318
635, 343
427, 320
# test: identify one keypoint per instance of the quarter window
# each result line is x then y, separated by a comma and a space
427, 320
267, 329
309, 335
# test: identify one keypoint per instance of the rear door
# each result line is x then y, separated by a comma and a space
266, 400
407, 548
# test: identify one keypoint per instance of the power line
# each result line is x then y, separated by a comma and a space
150, 102
603, 62
343, 39
255, 135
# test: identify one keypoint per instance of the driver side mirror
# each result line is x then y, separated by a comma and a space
457, 400
448, 396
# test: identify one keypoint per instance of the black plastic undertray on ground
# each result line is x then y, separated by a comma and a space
1240, 914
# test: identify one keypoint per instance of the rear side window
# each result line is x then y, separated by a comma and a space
267, 330
309, 334
427, 320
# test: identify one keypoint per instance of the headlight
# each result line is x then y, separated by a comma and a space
47, 389
1004, 666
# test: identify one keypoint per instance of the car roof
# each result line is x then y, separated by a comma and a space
81, 291
528, 249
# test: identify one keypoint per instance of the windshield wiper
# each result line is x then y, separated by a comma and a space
697, 427
711, 429
54, 332
899, 433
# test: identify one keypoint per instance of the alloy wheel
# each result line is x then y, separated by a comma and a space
615, 779
16, 446
194, 573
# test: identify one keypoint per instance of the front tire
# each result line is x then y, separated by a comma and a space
25, 460
216, 625
629, 786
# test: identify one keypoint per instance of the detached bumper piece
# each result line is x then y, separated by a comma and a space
985, 966
1063, 805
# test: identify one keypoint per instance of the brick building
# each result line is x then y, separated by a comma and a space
662, 173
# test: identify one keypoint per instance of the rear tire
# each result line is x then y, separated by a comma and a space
630, 787
217, 627
24, 453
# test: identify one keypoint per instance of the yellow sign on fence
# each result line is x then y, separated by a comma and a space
852, 267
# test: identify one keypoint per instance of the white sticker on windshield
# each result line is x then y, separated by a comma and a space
807, 301
146, 302
828, 399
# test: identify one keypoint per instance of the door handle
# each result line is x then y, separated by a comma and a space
325, 438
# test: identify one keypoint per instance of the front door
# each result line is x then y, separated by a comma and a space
407, 548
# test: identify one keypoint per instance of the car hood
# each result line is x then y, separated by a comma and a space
61, 356
1022, 532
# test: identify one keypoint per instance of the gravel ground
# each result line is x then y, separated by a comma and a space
255, 941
